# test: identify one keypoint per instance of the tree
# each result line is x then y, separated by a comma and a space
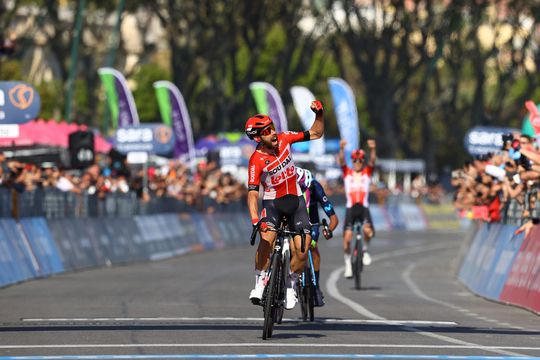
423, 72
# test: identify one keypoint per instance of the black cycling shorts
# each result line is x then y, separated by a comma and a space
292, 207
357, 213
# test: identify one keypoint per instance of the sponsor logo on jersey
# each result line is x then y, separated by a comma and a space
252, 173
281, 166
287, 173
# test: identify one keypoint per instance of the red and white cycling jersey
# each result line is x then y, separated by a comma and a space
357, 185
276, 172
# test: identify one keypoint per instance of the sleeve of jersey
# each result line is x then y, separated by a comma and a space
254, 175
293, 136
321, 197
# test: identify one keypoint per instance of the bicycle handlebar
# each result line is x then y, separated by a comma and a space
254, 233
257, 227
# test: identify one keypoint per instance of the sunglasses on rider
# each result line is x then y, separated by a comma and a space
357, 160
267, 130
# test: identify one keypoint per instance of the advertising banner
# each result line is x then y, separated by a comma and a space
481, 140
150, 138
175, 114
19, 102
302, 99
494, 260
73, 243
268, 102
531, 121
346, 115
15, 265
43, 245
523, 284
18, 253
119, 97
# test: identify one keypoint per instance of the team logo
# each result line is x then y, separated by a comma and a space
21, 96
267, 162
163, 134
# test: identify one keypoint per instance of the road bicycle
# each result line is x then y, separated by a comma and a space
307, 286
273, 299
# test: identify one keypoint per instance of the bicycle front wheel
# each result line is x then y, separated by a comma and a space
358, 264
270, 299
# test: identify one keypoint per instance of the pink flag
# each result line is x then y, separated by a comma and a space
534, 115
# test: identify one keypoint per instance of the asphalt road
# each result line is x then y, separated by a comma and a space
196, 306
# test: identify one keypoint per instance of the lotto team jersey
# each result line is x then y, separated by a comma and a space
357, 185
276, 172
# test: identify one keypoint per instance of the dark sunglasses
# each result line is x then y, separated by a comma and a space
357, 160
267, 130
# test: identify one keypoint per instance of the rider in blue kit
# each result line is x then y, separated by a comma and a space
315, 195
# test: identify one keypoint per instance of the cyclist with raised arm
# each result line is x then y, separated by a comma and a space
357, 181
271, 164
315, 195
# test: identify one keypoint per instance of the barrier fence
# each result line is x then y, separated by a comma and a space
47, 231
502, 266
56, 204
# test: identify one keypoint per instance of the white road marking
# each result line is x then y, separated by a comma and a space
238, 319
266, 344
406, 276
331, 285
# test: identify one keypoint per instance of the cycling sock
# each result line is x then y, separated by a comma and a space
259, 274
317, 277
347, 258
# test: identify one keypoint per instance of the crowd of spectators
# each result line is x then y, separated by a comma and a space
205, 187
501, 186
174, 180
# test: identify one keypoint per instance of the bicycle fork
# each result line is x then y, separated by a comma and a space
311, 269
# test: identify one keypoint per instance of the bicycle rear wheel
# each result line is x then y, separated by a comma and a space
311, 303
272, 290
309, 290
357, 264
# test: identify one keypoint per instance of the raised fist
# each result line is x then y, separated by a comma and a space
316, 106
371, 144
342, 144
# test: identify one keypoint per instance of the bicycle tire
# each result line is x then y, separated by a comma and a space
310, 293
301, 291
358, 264
270, 299
311, 303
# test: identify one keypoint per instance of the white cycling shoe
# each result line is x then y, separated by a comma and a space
290, 298
366, 259
348, 266
257, 293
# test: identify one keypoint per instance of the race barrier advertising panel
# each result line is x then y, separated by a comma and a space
502, 266
523, 284
35, 247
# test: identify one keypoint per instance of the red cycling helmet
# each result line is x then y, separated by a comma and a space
358, 154
256, 123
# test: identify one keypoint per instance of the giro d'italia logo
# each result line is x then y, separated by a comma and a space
21, 96
163, 134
